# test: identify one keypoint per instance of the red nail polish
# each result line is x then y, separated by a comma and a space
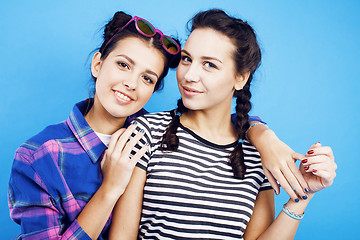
306, 167
310, 152
304, 161
314, 170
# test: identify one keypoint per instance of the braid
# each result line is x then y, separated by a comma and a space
243, 106
170, 141
247, 58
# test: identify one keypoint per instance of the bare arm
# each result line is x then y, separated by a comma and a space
319, 158
127, 212
117, 168
278, 161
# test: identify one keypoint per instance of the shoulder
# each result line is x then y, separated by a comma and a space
44, 140
152, 121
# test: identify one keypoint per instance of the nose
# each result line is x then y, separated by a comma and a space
192, 73
130, 82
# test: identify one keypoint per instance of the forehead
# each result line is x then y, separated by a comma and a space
142, 52
209, 42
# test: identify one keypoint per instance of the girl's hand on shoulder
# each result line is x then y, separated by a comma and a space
117, 165
318, 167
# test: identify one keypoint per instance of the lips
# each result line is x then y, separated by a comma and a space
191, 91
122, 97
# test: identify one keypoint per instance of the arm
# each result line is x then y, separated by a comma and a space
278, 161
32, 205
127, 212
117, 168
322, 160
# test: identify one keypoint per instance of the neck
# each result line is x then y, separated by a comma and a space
101, 121
214, 126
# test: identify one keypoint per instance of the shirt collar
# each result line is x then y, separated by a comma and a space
87, 138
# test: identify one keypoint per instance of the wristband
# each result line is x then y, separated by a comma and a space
292, 214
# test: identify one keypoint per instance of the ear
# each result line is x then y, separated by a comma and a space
96, 64
240, 80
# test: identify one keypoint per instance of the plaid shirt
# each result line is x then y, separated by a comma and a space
54, 175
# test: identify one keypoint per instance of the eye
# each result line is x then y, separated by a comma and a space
148, 79
210, 65
185, 58
123, 65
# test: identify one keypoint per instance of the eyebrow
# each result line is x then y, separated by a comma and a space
126, 57
133, 63
203, 57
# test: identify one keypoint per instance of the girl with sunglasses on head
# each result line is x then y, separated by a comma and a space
201, 178
60, 188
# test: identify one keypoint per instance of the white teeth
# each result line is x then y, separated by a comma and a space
122, 96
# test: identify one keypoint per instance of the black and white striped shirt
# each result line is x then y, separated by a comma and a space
191, 193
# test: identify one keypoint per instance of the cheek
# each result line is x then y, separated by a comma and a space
146, 93
180, 72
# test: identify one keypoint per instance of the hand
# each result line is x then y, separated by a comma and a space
318, 167
116, 165
278, 162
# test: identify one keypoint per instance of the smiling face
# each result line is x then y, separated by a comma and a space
206, 74
126, 78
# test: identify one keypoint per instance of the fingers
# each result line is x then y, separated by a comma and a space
114, 139
272, 181
122, 140
321, 166
285, 184
139, 154
295, 170
319, 150
132, 142
294, 183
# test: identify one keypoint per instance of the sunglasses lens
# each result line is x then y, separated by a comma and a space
170, 45
145, 27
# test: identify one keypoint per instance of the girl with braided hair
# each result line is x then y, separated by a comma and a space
201, 177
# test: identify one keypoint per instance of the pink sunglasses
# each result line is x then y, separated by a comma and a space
148, 30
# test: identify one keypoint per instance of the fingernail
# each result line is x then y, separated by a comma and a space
310, 152
314, 170
304, 161
134, 122
306, 167
297, 200
142, 130
304, 197
306, 190
147, 144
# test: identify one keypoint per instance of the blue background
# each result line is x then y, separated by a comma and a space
307, 88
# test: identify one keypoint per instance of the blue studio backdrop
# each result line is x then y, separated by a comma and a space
307, 87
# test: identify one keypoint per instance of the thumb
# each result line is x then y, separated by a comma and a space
316, 145
103, 160
297, 156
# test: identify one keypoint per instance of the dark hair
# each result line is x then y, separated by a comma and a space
247, 57
111, 31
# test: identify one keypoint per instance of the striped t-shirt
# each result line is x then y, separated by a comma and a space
191, 193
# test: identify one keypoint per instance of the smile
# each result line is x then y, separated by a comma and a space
121, 96
190, 91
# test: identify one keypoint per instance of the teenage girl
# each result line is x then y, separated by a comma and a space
201, 178
59, 188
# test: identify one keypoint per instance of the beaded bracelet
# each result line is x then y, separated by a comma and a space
252, 125
292, 214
